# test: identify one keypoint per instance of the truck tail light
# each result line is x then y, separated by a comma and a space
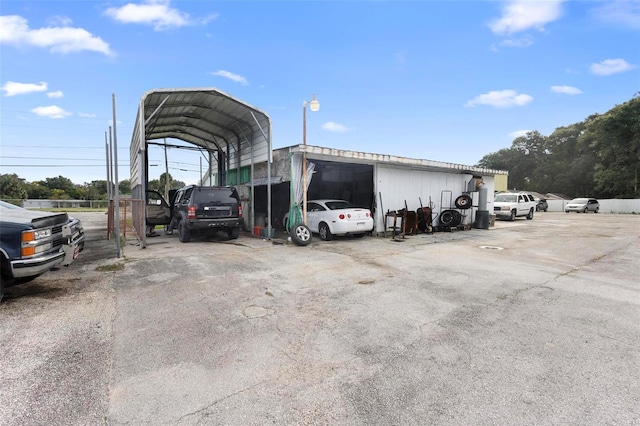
191, 213
239, 210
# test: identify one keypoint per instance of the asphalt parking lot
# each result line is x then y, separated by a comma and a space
529, 322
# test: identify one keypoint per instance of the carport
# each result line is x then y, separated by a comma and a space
232, 134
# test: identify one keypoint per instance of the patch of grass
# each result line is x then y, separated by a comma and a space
110, 268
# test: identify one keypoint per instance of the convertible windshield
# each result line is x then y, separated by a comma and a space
507, 198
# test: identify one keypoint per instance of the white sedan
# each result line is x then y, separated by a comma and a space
329, 218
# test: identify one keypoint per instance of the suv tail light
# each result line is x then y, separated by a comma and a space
191, 213
239, 210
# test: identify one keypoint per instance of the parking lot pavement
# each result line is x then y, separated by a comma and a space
529, 322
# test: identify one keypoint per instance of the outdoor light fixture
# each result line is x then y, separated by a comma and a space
314, 106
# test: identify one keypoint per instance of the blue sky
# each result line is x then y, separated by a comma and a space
440, 80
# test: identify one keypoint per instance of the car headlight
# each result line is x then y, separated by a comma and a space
36, 234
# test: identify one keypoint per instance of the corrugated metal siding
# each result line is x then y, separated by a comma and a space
398, 185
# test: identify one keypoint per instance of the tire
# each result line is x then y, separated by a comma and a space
233, 233
585, 210
597, 210
530, 215
184, 235
325, 232
463, 202
300, 235
448, 218
513, 216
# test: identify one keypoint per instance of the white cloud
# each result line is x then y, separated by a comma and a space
567, 90
152, 12
619, 12
11, 88
518, 133
335, 127
52, 111
59, 21
611, 66
231, 76
86, 115
14, 30
523, 15
56, 94
500, 99
517, 42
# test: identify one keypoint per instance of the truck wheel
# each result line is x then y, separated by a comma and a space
530, 215
300, 234
513, 215
184, 235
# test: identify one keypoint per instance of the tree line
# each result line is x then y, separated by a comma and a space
597, 157
13, 187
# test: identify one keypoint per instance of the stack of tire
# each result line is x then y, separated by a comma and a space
452, 218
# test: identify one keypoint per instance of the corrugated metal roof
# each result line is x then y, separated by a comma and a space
332, 154
207, 118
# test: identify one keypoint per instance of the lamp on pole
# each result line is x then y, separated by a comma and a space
314, 106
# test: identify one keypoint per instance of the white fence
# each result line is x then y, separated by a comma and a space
60, 204
628, 206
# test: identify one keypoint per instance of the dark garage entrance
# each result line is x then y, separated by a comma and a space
332, 179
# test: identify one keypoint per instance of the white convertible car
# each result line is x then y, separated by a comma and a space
329, 218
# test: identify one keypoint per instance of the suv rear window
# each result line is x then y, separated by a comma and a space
221, 195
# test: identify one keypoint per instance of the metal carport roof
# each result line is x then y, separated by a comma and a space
238, 133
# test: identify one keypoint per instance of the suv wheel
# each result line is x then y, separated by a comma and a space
233, 233
513, 215
530, 215
184, 235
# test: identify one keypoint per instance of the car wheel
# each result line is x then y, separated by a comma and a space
325, 232
463, 202
184, 235
597, 210
300, 234
513, 215
530, 215
233, 233
585, 210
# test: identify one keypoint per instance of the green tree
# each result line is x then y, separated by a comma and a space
615, 137
37, 191
124, 187
12, 187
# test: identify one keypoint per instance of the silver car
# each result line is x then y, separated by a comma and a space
582, 205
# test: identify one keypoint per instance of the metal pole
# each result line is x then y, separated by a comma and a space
117, 190
304, 163
166, 177
106, 147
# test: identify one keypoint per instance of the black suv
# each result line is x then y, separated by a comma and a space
206, 209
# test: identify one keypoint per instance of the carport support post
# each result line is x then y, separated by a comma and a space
269, 154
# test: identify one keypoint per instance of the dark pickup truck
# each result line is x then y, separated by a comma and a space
33, 242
